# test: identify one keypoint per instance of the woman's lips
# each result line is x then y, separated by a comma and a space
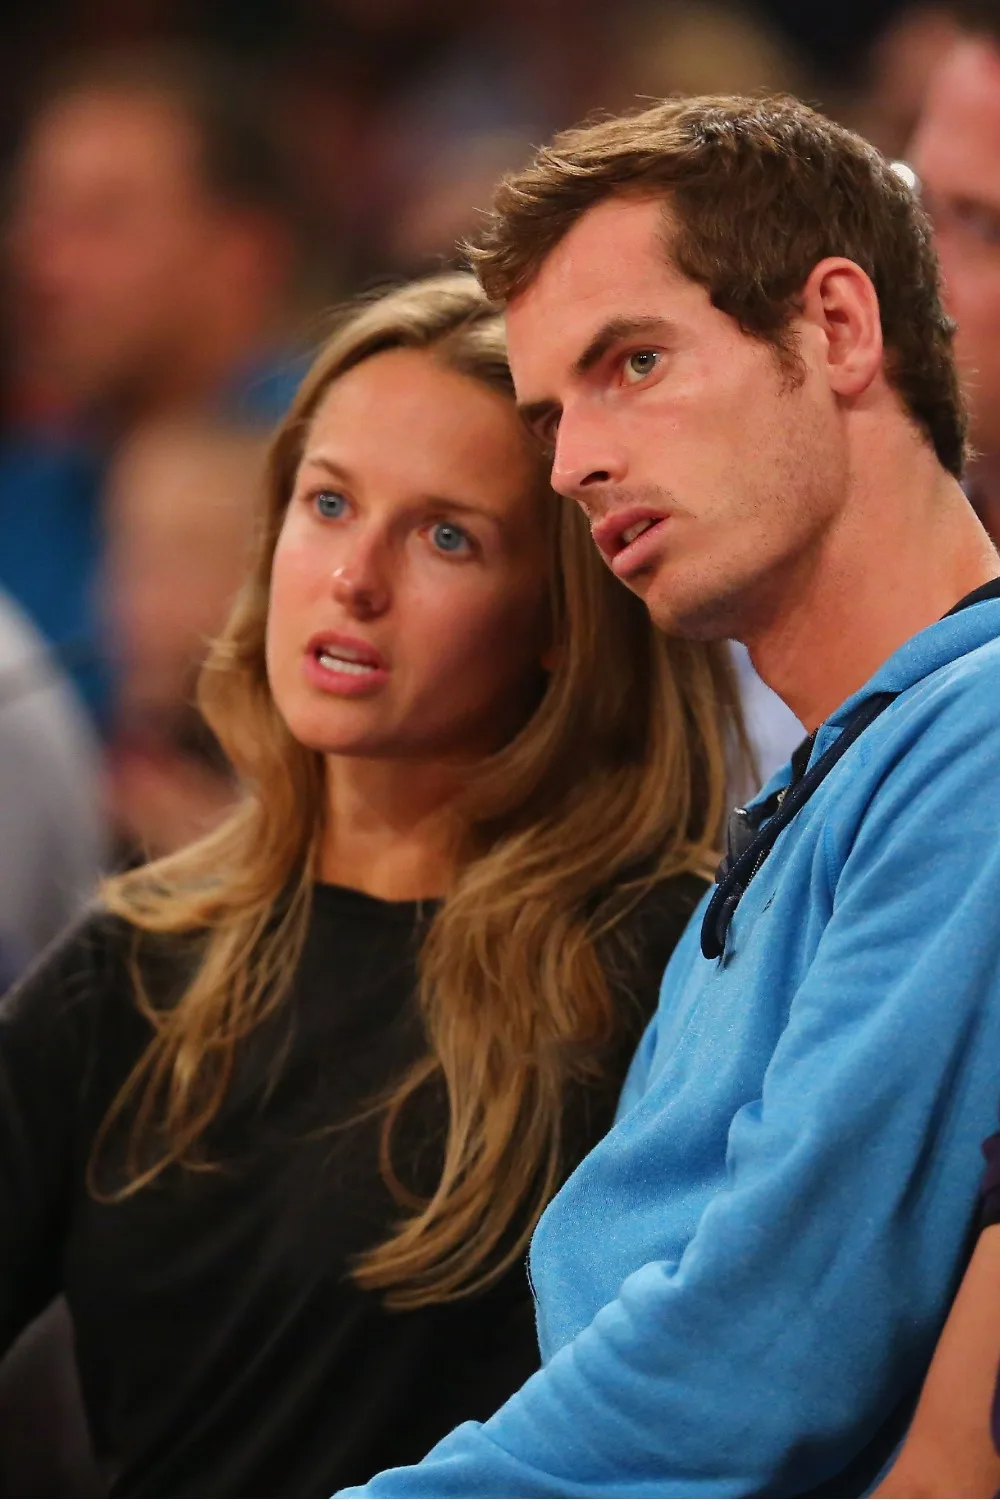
345, 666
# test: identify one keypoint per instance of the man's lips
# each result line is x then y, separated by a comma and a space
621, 537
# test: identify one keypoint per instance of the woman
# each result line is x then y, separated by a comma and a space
280, 1118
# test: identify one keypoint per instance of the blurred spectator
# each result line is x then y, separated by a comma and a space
687, 47
898, 70
179, 506
150, 253
956, 154
474, 111
50, 836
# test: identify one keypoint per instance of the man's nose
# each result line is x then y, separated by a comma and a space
360, 583
585, 457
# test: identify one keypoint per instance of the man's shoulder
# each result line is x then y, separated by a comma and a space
956, 696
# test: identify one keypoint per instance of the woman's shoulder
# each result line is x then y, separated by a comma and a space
82, 977
68, 1025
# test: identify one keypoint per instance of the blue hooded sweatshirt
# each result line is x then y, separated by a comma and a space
739, 1291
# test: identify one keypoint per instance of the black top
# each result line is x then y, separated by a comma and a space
223, 1349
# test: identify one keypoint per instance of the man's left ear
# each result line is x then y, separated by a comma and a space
840, 302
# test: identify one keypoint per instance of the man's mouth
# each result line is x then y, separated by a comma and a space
631, 532
617, 532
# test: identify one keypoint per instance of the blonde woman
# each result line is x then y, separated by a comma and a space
280, 1116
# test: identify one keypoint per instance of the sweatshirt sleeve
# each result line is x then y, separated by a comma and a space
809, 1297
45, 1023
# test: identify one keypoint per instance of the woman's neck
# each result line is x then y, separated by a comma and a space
390, 827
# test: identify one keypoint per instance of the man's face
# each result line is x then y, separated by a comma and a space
110, 242
956, 154
708, 470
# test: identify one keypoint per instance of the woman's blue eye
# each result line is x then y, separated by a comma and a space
330, 504
449, 538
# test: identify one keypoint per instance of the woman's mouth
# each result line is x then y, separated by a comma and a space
337, 663
344, 666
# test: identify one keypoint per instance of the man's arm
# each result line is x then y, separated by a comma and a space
810, 1297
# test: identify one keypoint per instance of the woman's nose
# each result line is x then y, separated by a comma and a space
359, 585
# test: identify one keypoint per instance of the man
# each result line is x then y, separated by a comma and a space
149, 251
724, 317
956, 154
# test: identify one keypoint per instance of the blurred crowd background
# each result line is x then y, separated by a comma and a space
189, 187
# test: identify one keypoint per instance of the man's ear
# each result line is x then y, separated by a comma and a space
839, 302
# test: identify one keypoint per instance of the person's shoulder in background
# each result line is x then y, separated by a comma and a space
51, 833
50, 548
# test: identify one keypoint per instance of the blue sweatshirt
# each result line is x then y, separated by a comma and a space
738, 1292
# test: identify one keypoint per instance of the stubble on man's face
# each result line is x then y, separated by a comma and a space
681, 413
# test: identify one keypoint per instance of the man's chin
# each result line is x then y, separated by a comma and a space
691, 614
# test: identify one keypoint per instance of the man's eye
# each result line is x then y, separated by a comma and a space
640, 364
330, 504
449, 538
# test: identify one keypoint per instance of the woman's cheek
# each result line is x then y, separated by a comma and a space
285, 625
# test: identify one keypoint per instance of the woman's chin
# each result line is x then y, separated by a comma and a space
346, 729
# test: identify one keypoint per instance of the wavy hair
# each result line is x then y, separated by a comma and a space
616, 781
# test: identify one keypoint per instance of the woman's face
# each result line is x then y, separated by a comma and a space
407, 613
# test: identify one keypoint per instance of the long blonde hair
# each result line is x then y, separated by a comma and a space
616, 782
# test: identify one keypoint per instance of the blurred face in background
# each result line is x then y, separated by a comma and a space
116, 249
179, 505
956, 154
409, 587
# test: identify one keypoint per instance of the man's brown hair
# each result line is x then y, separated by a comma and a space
758, 192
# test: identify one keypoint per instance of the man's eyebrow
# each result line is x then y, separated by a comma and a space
613, 332
610, 333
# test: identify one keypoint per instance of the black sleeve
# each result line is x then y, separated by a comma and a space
48, 1034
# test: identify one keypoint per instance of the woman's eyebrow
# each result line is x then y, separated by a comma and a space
461, 507
427, 502
320, 461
